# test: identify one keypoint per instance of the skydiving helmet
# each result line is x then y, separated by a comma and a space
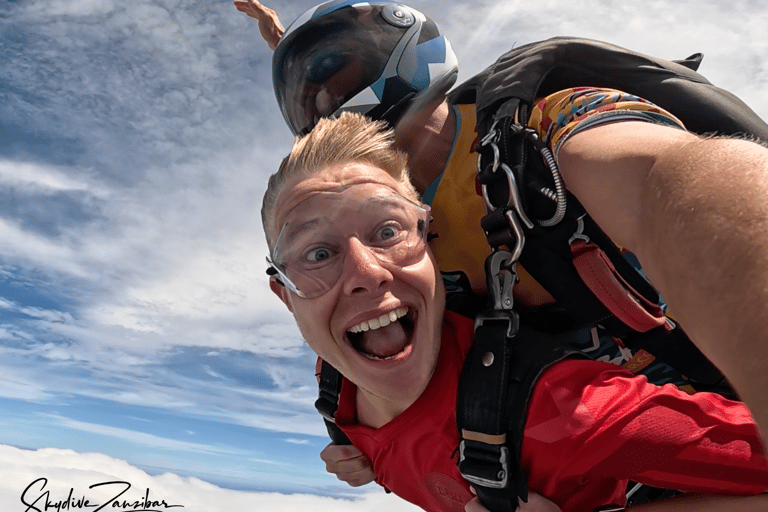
367, 57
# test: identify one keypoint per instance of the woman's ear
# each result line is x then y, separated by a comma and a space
281, 291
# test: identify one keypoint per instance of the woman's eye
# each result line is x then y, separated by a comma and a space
318, 255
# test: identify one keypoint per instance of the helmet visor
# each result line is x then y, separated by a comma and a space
311, 248
329, 61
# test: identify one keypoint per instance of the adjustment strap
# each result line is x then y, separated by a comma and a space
601, 277
329, 381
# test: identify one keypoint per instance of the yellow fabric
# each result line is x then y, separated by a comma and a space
456, 212
457, 209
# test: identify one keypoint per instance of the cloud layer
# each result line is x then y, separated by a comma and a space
26, 477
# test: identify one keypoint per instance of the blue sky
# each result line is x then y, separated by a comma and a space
135, 141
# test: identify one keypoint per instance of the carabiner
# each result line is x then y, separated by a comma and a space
501, 276
579, 234
514, 200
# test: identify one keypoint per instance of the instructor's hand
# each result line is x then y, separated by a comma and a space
348, 464
269, 24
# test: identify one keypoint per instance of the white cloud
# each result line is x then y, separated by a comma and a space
63, 470
22, 245
43, 179
18, 384
75, 8
139, 438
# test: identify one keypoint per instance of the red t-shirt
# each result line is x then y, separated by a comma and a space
591, 428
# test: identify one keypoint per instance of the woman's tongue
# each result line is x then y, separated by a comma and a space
383, 342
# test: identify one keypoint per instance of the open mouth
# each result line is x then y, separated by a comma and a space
385, 337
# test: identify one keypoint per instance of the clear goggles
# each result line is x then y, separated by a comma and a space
311, 248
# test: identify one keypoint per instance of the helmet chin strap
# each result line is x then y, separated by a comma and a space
396, 112
412, 105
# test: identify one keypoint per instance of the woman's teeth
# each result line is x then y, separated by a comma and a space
377, 323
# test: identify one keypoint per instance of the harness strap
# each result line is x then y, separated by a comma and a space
498, 377
674, 347
486, 459
329, 381
601, 277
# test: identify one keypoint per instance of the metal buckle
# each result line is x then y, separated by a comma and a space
579, 234
515, 214
501, 276
514, 200
502, 476
507, 315
326, 408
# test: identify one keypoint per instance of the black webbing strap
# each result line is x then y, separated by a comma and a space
502, 368
486, 459
328, 401
677, 350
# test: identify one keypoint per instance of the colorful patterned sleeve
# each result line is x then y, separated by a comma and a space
564, 113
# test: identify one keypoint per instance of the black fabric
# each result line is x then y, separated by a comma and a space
544, 67
678, 351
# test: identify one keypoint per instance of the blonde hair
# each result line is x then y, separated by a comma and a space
351, 137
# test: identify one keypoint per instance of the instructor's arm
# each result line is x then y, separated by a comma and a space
269, 23
695, 212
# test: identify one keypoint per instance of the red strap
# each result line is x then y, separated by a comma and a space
600, 276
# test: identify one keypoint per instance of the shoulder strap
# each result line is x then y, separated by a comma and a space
499, 374
329, 381
568, 253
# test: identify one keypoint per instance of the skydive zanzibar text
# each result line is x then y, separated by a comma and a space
37, 499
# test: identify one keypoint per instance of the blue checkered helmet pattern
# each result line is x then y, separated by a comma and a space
367, 57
